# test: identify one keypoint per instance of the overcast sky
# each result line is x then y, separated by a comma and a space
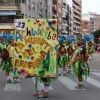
89, 6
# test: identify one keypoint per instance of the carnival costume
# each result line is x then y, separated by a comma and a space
98, 50
80, 67
62, 60
7, 65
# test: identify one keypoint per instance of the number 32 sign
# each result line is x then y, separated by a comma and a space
19, 25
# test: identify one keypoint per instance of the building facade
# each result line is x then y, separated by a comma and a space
77, 16
94, 20
18, 9
64, 17
67, 18
86, 26
57, 13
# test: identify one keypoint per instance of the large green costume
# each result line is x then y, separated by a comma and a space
69, 58
62, 61
8, 65
81, 68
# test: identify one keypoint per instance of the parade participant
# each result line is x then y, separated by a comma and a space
12, 54
79, 62
45, 91
90, 50
0, 57
98, 48
46, 80
7, 64
62, 60
70, 52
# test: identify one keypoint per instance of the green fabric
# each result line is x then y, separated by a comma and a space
68, 59
7, 66
15, 73
77, 67
79, 49
50, 80
3, 46
92, 50
62, 61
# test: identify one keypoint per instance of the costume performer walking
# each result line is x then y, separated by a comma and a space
7, 65
79, 62
62, 60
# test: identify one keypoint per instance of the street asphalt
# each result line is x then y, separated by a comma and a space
61, 88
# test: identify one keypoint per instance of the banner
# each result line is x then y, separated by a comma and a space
36, 47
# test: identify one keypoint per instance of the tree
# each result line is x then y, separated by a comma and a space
96, 35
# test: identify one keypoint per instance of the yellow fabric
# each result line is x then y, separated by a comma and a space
11, 51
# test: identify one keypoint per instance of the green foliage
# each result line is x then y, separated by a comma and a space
96, 35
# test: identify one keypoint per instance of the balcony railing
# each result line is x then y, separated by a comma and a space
7, 21
78, 2
9, 3
54, 7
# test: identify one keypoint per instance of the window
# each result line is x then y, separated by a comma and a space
46, 2
33, 5
18, 1
40, 11
60, 1
46, 13
59, 9
40, 2
29, 17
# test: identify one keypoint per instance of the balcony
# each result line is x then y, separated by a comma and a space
78, 2
64, 2
77, 16
54, 2
77, 6
76, 26
64, 5
64, 21
54, 7
54, 16
64, 28
64, 9
75, 21
6, 26
8, 18
76, 11
75, 32
9, 6
64, 14
7, 21
65, 24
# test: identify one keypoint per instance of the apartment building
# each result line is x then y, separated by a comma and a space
94, 20
57, 13
86, 26
66, 18
17, 9
70, 20
77, 16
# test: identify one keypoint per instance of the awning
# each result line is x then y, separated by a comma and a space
5, 13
